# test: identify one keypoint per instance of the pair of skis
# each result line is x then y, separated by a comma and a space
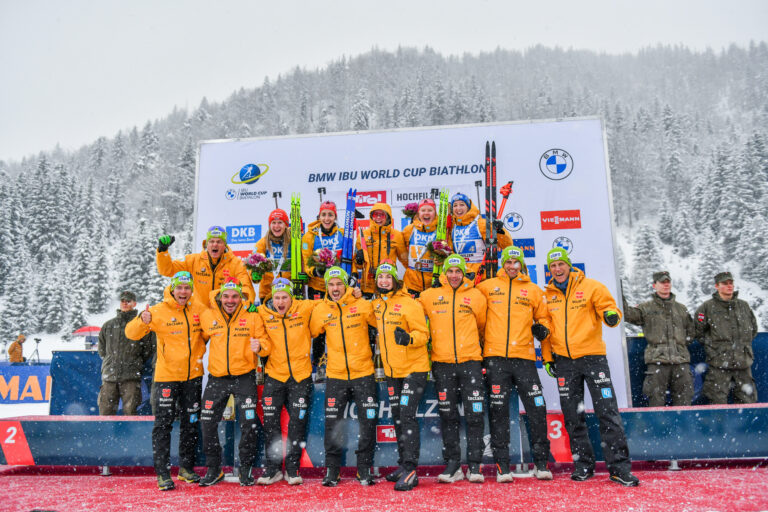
296, 260
491, 256
348, 241
442, 232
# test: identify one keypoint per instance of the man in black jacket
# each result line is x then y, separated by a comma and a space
122, 361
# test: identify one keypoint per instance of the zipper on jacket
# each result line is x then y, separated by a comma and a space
343, 341
229, 372
568, 290
189, 344
384, 335
453, 318
509, 313
287, 354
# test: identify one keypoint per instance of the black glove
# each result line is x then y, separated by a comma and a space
353, 281
470, 276
498, 226
164, 242
402, 337
359, 257
539, 332
611, 318
316, 272
550, 369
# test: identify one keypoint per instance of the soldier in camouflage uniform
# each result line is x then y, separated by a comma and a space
727, 326
668, 328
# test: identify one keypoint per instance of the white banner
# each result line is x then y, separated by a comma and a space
561, 193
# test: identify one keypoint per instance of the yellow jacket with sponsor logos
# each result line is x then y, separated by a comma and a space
456, 321
314, 230
416, 236
383, 243
206, 274
399, 309
345, 324
229, 345
286, 339
576, 318
180, 339
265, 286
468, 236
514, 305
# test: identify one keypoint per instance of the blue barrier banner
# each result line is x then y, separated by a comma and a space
24, 383
76, 382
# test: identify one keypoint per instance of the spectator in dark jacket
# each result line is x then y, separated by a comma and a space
122, 361
727, 326
668, 328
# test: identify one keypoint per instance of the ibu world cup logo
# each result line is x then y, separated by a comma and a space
249, 174
556, 164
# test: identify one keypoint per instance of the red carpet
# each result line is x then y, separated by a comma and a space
727, 486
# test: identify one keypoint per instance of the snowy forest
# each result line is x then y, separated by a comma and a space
687, 141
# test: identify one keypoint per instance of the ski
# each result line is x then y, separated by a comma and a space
347, 244
296, 240
442, 232
490, 258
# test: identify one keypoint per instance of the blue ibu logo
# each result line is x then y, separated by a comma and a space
302, 413
249, 174
193, 418
606, 392
563, 242
556, 164
513, 221
250, 414
477, 407
371, 413
539, 401
404, 400
243, 234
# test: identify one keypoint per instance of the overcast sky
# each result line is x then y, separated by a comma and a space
74, 70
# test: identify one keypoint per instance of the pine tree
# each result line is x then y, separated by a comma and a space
647, 260
360, 115
666, 224
684, 240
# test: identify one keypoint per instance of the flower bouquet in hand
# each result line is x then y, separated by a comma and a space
322, 260
257, 264
440, 250
410, 210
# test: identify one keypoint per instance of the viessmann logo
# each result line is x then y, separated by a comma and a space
561, 219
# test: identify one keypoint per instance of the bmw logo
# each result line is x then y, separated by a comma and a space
556, 164
513, 221
231, 194
563, 242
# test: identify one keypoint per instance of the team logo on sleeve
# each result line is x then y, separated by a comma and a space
561, 381
391, 391
267, 400
166, 393
496, 389
331, 402
442, 395
208, 404
701, 317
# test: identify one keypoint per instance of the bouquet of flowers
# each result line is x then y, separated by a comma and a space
439, 249
257, 264
410, 210
322, 260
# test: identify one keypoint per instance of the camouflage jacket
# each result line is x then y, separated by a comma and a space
667, 326
727, 329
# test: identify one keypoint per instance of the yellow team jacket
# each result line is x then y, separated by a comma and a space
287, 341
345, 324
514, 305
206, 274
383, 243
456, 319
576, 317
180, 338
229, 346
399, 309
